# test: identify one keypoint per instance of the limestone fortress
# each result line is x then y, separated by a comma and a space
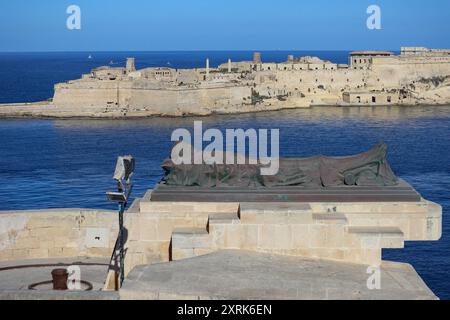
417, 76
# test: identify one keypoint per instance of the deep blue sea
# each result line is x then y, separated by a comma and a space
69, 163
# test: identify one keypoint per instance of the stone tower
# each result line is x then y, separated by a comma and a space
229, 65
257, 58
290, 58
207, 67
131, 66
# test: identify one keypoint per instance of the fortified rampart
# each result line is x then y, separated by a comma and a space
132, 96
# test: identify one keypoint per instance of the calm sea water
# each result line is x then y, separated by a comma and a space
55, 163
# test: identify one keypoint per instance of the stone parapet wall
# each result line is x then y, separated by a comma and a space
57, 233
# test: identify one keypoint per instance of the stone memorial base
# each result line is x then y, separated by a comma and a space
349, 232
403, 192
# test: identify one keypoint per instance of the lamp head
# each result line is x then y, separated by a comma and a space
124, 169
123, 173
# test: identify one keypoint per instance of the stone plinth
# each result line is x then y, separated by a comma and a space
403, 192
347, 232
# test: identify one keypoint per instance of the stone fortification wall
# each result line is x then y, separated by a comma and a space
404, 69
385, 74
151, 98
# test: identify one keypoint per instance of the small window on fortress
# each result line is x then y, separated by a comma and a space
374, 99
389, 99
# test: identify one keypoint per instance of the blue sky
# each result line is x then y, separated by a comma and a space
113, 25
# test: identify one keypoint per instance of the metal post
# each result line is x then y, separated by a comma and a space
121, 242
122, 174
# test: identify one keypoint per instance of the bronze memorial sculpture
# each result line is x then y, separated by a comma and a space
363, 177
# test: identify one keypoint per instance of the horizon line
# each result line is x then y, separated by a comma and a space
199, 50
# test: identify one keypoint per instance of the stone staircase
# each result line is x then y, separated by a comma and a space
290, 230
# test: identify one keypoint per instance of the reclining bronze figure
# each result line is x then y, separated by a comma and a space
367, 169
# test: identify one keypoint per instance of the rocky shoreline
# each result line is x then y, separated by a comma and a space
45, 110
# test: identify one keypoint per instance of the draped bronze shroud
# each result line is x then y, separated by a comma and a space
368, 169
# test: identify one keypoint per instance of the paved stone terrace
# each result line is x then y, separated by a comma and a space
14, 282
246, 275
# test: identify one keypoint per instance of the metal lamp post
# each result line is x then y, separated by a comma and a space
123, 173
